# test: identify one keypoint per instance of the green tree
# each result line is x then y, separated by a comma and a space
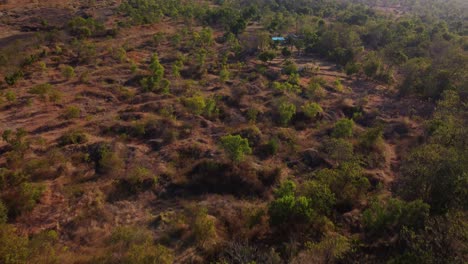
343, 128
156, 80
312, 110
286, 112
13, 248
267, 56
236, 147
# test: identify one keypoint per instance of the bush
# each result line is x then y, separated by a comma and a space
155, 82
108, 161
46, 92
13, 78
289, 68
270, 148
286, 87
68, 72
10, 96
195, 103
252, 114
236, 147
224, 74
312, 110
72, 138
338, 85
286, 112
13, 248
289, 210
72, 112
203, 227
315, 90
347, 182
27, 195
395, 214
372, 138
84, 27
267, 56
343, 128
134, 245
321, 197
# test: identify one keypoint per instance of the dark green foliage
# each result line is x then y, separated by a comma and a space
347, 182
271, 147
287, 209
267, 56
155, 82
152, 11
437, 175
236, 147
339, 150
394, 215
321, 197
343, 128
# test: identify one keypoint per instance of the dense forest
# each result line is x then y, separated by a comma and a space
234, 131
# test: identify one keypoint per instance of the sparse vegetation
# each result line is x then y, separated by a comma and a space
162, 131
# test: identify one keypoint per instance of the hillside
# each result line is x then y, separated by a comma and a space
149, 131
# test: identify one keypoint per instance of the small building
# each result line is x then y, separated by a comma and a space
278, 39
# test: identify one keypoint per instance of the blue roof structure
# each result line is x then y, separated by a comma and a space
278, 39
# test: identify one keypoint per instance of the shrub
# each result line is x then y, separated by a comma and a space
252, 114
134, 245
287, 188
372, 138
196, 104
286, 87
84, 27
315, 89
10, 96
289, 210
267, 56
289, 68
108, 161
224, 74
312, 110
236, 147
13, 78
46, 92
199, 105
338, 85
68, 72
320, 195
72, 138
271, 147
343, 128
203, 227
72, 112
13, 248
286, 112
149, 253
156, 80
42, 90
26, 198
393, 215
347, 182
